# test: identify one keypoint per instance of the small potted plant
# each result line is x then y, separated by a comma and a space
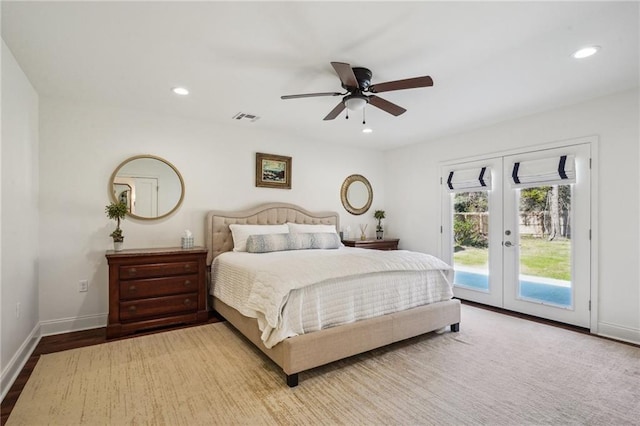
379, 215
117, 211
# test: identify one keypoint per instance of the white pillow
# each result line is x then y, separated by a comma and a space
304, 228
240, 233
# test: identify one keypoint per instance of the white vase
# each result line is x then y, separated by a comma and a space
117, 245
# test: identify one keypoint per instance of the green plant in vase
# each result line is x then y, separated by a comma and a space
117, 212
379, 215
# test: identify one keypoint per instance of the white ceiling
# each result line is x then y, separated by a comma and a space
490, 61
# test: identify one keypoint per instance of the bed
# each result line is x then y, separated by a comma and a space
299, 352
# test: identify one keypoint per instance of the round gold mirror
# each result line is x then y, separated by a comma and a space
356, 194
151, 187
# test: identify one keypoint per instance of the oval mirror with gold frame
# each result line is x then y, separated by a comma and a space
356, 194
150, 186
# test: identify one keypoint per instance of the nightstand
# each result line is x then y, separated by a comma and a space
386, 244
151, 288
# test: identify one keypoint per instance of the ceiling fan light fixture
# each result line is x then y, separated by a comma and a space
355, 102
585, 52
182, 91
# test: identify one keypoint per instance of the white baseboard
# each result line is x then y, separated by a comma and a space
619, 332
68, 325
15, 366
44, 328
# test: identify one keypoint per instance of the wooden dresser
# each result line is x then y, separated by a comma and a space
150, 288
388, 244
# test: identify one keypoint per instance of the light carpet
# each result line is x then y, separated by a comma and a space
496, 370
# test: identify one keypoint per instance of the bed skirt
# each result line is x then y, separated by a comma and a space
300, 353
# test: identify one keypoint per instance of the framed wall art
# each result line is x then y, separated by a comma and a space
273, 171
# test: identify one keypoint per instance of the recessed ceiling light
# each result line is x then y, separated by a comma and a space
585, 52
180, 91
367, 130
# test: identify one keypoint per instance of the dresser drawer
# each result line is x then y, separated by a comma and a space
136, 309
129, 272
154, 287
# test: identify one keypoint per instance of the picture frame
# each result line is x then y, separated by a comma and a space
273, 171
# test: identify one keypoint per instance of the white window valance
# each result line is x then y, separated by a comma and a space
546, 171
467, 180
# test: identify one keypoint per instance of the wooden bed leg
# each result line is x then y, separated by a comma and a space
292, 380
455, 327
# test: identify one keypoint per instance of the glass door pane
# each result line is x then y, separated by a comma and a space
471, 240
545, 245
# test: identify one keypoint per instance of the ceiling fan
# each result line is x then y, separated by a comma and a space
357, 81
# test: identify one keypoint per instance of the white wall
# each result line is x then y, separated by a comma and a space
81, 145
19, 221
413, 191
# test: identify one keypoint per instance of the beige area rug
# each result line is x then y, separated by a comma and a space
497, 370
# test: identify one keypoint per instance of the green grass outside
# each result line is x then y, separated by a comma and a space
538, 257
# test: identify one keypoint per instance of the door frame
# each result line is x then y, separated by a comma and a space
593, 140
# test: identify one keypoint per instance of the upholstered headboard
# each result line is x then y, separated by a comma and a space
218, 235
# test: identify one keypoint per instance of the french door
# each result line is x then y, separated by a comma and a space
516, 229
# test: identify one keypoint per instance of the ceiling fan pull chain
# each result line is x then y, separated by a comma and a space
347, 116
363, 120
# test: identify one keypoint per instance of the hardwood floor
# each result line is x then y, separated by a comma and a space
63, 342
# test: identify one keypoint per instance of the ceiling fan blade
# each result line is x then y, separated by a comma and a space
409, 83
386, 106
347, 77
311, 95
335, 112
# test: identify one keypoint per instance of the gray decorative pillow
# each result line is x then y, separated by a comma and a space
282, 242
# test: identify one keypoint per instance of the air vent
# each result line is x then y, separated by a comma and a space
246, 117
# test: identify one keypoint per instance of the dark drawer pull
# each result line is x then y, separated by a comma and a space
187, 266
132, 308
133, 271
132, 289
187, 302
187, 283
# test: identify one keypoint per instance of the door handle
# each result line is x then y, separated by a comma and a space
507, 244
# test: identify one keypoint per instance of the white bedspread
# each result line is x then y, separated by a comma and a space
359, 284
